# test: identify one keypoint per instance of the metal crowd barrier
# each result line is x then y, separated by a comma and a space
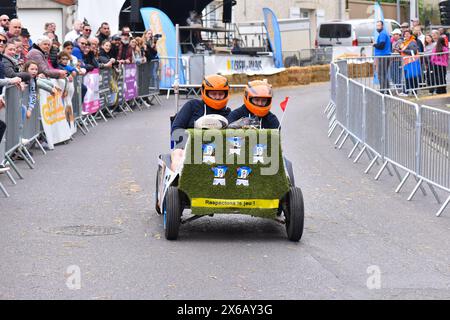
401, 134
400, 75
308, 57
22, 133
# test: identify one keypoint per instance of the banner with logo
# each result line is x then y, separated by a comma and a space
91, 102
274, 36
131, 89
54, 120
236, 64
160, 24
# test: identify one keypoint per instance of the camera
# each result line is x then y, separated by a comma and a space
157, 36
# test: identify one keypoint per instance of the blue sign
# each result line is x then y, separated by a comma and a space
160, 23
274, 36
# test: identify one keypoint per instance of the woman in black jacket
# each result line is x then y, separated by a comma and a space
106, 56
11, 66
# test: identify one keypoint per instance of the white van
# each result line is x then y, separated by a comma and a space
357, 32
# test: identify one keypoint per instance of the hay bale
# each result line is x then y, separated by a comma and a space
320, 73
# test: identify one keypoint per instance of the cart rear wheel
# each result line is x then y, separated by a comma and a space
172, 213
295, 215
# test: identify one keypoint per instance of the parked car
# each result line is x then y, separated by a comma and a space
357, 32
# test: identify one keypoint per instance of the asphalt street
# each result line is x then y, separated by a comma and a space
354, 225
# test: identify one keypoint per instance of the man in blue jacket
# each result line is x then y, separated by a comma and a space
383, 50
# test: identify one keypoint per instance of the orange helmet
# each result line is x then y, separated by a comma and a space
215, 83
258, 89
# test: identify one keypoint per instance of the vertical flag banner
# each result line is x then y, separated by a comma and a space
91, 102
160, 23
274, 36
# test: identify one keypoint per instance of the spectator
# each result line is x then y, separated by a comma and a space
26, 42
404, 27
115, 46
64, 64
127, 30
396, 41
382, 51
429, 48
73, 35
429, 44
87, 32
412, 73
236, 48
4, 23
39, 53
11, 65
15, 28
35, 83
150, 46
415, 23
53, 55
104, 32
138, 58
105, 57
4, 81
435, 34
420, 38
88, 59
19, 57
443, 35
95, 47
50, 31
439, 62
195, 20
78, 47
125, 55
68, 48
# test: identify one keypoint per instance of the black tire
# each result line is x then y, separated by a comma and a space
173, 209
295, 214
158, 173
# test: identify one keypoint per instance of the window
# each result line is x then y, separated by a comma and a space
335, 31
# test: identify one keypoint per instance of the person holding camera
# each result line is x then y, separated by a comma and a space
151, 52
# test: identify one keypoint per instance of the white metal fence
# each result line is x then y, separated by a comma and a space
397, 134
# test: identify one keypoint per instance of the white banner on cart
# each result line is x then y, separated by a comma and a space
235, 64
54, 119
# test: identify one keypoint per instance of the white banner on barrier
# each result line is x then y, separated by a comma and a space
67, 96
235, 64
53, 117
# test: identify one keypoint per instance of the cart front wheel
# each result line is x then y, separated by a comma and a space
295, 215
173, 209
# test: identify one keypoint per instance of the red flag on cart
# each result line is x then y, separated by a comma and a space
284, 104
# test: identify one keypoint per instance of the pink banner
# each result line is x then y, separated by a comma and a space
91, 103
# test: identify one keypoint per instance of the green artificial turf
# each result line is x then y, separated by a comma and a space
197, 178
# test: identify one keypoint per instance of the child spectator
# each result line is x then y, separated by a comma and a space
64, 64
439, 62
36, 83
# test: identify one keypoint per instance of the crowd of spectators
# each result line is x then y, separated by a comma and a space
431, 50
24, 62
